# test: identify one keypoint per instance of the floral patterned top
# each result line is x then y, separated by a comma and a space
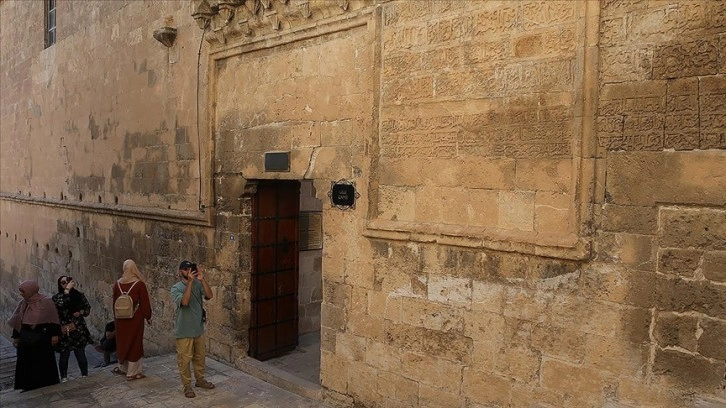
67, 304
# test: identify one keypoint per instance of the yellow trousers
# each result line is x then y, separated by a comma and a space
190, 350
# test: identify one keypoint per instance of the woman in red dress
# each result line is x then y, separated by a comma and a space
130, 332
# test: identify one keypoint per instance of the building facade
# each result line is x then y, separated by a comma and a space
475, 202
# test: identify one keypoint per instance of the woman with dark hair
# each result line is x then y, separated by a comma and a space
36, 330
73, 307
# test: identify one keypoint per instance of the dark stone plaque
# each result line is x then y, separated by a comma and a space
277, 161
342, 194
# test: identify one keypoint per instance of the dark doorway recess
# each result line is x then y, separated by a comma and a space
275, 269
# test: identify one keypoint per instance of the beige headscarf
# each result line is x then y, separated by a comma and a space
131, 273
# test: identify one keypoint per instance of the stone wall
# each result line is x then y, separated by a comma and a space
542, 218
100, 159
661, 133
438, 321
481, 105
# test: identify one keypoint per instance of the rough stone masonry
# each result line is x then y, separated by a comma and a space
541, 217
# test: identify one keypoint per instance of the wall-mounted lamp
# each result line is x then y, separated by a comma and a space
203, 14
165, 35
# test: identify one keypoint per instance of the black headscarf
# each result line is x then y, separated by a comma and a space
75, 299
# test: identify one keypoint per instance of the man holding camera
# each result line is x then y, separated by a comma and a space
187, 294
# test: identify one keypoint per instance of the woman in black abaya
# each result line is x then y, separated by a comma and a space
36, 329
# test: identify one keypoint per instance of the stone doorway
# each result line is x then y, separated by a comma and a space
275, 268
286, 287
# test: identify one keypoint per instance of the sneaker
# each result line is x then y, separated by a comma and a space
204, 384
64, 380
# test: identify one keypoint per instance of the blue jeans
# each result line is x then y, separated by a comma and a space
80, 354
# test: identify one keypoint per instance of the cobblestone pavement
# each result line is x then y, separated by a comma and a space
161, 388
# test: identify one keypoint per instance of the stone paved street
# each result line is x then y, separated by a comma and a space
161, 388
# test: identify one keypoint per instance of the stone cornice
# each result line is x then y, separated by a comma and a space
200, 218
240, 21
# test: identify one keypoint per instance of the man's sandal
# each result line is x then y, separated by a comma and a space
135, 377
189, 393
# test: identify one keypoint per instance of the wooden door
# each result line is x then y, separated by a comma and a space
274, 319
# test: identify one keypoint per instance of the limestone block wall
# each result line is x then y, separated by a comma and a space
116, 123
437, 321
100, 159
46, 242
481, 124
542, 212
310, 287
310, 93
661, 132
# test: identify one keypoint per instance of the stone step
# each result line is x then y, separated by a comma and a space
282, 379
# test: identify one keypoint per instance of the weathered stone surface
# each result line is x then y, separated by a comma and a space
405, 337
560, 376
448, 345
432, 371
449, 290
540, 219
682, 262
639, 393
433, 316
694, 371
632, 219
398, 389
644, 179
487, 297
673, 330
624, 358
373, 327
486, 388
544, 175
350, 347
519, 363
712, 341
430, 395
334, 372
714, 266
679, 295
552, 213
621, 285
702, 229
362, 380
631, 250
564, 343
333, 317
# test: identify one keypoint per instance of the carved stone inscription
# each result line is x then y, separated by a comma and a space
520, 56
664, 82
483, 90
523, 133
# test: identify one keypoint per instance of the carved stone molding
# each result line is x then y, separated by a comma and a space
250, 189
242, 20
165, 35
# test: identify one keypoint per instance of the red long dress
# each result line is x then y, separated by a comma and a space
130, 332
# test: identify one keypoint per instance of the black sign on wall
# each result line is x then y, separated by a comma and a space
277, 161
342, 194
